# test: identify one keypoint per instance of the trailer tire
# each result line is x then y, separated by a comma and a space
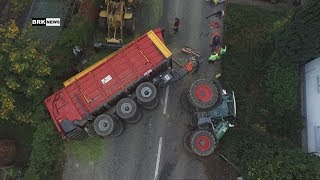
147, 95
104, 125
128, 110
119, 130
203, 142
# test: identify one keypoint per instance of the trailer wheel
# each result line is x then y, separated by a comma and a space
186, 141
204, 94
147, 95
119, 130
127, 109
202, 142
103, 125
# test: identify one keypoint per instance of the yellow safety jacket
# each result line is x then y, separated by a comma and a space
214, 57
223, 50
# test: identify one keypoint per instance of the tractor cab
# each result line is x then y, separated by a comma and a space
226, 111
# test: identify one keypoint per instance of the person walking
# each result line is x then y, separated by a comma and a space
176, 25
215, 56
215, 40
162, 32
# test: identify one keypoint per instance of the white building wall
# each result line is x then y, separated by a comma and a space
311, 106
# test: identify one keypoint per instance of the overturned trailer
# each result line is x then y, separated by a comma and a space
111, 92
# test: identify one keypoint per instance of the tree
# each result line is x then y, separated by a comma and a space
24, 71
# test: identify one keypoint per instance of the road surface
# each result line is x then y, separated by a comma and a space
153, 148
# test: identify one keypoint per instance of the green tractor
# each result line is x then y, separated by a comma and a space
214, 113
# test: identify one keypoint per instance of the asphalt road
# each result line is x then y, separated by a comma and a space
153, 148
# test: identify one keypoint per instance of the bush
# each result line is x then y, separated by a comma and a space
247, 36
295, 44
266, 82
263, 157
46, 152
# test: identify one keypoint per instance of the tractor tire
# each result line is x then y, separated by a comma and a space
102, 23
130, 26
104, 125
203, 143
204, 94
127, 109
147, 95
186, 141
219, 88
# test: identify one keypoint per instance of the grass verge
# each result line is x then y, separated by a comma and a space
91, 149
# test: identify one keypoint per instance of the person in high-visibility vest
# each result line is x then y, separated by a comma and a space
223, 50
213, 57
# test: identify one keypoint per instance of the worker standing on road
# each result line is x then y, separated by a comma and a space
223, 50
215, 56
176, 25
215, 40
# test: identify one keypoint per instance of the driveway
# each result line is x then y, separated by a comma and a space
153, 148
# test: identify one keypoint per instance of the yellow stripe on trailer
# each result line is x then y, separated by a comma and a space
154, 38
160, 45
90, 68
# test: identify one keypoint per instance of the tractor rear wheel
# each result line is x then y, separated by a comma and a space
104, 125
202, 142
205, 94
147, 95
127, 109
129, 26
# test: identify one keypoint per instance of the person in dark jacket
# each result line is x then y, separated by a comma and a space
176, 25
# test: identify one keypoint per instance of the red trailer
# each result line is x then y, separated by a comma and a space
97, 98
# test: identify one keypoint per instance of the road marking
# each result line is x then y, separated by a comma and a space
158, 159
166, 101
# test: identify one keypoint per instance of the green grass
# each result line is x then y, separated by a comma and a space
91, 149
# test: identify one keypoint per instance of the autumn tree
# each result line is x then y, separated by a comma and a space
24, 71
